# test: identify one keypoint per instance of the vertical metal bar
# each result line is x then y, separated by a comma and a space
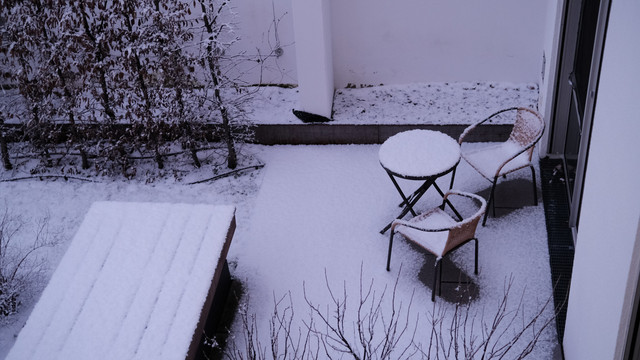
435, 278
389, 255
490, 202
440, 279
476, 262
409, 207
535, 188
446, 201
453, 177
405, 200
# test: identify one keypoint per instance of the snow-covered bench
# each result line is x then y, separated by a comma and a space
136, 283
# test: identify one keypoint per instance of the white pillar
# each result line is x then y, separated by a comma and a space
312, 32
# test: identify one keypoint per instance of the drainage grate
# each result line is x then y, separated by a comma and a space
561, 248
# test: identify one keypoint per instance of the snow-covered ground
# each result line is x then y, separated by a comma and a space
312, 216
429, 103
139, 273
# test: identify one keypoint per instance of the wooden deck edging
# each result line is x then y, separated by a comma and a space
213, 292
137, 282
324, 134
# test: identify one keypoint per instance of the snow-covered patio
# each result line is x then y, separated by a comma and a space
316, 210
319, 210
310, 219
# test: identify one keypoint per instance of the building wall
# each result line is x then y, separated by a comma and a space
408, 41
606, 269
551, 61
314, 54
263, 27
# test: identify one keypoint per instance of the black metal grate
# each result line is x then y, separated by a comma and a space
561, 247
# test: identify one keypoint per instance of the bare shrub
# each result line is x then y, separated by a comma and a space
284, 341
504, 332
379, 327
20, 263
375, 332
120, 82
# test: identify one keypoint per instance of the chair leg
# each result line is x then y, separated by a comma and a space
476, 262
389, 255
453, 177
493, 197
535, 188
435, 279
440, 280
491, 202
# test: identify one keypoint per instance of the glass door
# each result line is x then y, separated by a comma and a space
581, 50
579, 83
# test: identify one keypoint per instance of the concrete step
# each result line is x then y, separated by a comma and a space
327, 133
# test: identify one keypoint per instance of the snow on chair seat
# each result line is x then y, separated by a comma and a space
136, 282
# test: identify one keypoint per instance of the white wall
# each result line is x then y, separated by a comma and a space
312, 29
407, 41
605, 266
553, 29
262, 27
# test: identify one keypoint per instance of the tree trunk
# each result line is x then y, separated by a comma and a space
159, 160
39, 141
155, 138
100, 56
232, 157
5, 152
194, 157
84, 158
67, 95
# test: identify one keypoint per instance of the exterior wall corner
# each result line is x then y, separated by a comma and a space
314, 55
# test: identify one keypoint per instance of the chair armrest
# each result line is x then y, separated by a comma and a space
462, 232
522, 150
473, 126
478, 198
409, 224
461, 226
482, 205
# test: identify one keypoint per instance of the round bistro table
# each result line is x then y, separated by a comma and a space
423, 155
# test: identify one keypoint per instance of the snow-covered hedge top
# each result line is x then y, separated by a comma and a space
418, 153
131, 285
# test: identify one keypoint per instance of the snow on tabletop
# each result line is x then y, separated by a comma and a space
131, 284
419, 153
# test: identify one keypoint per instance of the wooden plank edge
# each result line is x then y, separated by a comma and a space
204, 312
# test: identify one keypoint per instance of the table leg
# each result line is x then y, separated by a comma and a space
409, 202
405, 200
447, 202
409, 198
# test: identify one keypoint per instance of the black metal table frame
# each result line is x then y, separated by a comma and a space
410, 201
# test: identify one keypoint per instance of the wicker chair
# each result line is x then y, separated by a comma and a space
439, 233
514, 154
